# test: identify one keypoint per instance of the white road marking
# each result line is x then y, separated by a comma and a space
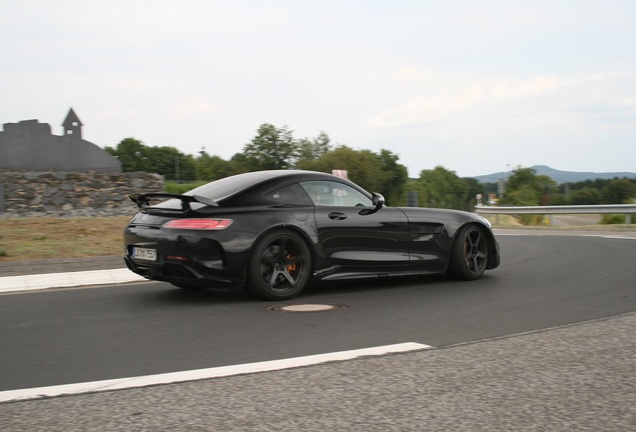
609, 236
200, 374
539, 233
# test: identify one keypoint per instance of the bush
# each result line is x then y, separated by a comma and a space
612, 219
532, 220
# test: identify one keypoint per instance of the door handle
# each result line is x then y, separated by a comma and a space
337, 216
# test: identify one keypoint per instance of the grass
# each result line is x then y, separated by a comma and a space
48, 237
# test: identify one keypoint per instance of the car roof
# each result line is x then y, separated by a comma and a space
227, 187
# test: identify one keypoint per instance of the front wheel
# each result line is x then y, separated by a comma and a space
469, 254
280, 266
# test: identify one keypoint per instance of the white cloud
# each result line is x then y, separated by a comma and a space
505, 90
470, 96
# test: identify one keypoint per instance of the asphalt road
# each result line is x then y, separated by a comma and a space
76, 335
545, 281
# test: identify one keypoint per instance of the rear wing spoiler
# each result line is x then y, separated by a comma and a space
143, 200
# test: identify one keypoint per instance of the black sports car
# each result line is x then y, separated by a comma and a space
272, 232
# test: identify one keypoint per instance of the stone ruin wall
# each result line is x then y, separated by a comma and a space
65, 194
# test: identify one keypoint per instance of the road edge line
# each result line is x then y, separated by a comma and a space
200, 374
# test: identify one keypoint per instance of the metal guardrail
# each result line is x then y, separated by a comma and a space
626, 209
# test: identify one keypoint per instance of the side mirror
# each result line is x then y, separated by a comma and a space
378, 200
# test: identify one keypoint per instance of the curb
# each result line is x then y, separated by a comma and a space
65, 280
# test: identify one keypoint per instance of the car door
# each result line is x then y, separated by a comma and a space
351, 231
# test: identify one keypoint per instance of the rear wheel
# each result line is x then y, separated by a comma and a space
280, 266
469, 254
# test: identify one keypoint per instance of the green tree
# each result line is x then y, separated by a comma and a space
308, 150
525, 187
586, 196
557, 198
524, 195
394, 177
441, 188
210, 168
375, 172
239, 164
171, 163
272, 148
521, 176
133, 155
619, 191
167, 161
363, 166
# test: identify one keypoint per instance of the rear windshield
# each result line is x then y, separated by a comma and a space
217, 190
228, 186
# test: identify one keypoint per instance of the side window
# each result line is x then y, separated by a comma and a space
291, 194
328, 193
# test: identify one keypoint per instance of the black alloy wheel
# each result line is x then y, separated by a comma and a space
469, 254
280, 266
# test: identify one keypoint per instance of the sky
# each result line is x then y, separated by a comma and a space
474, 86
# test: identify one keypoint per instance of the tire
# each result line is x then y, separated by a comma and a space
280, 266
469, 254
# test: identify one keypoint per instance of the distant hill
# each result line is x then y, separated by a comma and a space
558, 176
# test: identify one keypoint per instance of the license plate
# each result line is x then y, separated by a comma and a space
144, 254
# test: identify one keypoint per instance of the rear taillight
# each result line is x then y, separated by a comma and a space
198, 224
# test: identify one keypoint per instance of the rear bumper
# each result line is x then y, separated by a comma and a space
180, 273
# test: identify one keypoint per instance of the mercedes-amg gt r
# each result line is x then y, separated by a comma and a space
273, 232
